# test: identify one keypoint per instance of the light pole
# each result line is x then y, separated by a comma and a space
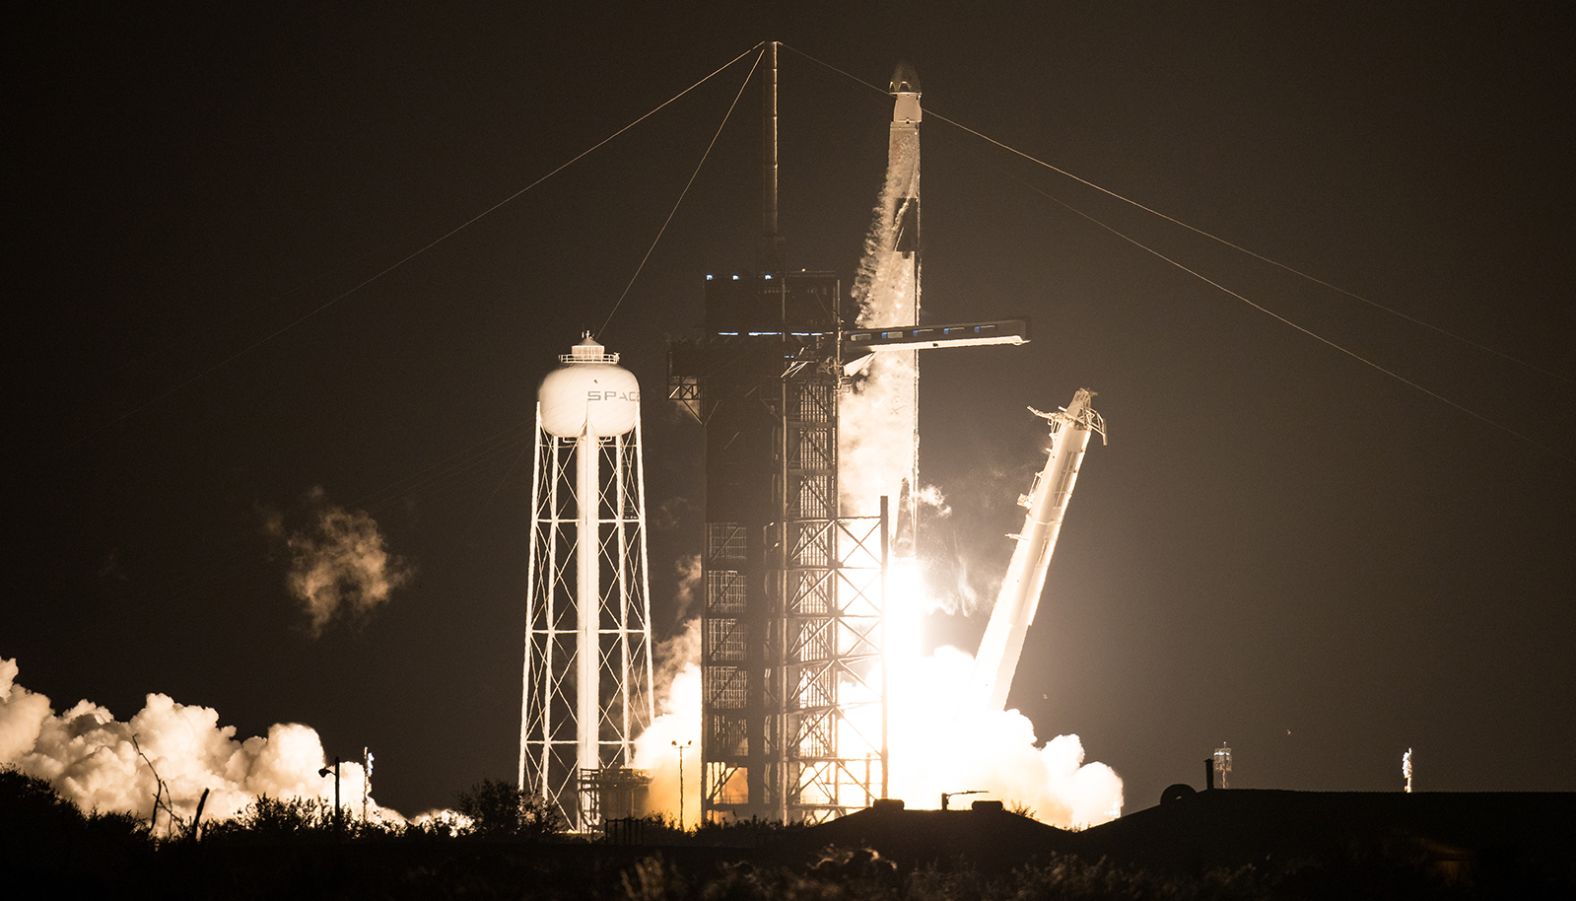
681, 748
366, 781
335, 770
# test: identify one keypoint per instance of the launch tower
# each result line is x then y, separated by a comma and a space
791, 647
792, 653
791, 625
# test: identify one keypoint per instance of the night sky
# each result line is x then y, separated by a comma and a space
1281, 547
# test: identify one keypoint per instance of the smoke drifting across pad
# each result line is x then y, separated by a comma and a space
678, 723
88, 757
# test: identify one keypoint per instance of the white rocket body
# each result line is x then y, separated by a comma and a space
1019, 597
891, 298
903, 156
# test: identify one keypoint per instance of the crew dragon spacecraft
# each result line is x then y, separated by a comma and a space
891, 299
811, 432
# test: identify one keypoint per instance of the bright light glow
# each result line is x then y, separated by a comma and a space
941, 734
943, 737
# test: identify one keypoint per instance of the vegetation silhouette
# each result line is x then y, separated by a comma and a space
498, 809
510, 846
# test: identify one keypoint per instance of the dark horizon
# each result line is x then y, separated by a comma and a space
1280, 548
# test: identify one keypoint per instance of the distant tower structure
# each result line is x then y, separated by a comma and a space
1222, 765
588, 669
1406, 769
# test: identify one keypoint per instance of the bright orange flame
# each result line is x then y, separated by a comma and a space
942, 737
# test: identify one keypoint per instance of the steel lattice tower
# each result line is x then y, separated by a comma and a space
792, 621
587, 683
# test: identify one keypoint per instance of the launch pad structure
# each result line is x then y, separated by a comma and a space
794, 656
791, 645
794, 716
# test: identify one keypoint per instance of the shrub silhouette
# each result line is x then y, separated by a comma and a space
499, 809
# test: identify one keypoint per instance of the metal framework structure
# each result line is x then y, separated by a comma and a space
830, 570
587, 588
792, 621
792, 651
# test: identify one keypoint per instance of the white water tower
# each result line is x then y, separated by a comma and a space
588, 668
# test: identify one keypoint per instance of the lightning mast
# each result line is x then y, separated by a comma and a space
1046, 502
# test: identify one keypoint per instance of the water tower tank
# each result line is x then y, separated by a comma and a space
589, 393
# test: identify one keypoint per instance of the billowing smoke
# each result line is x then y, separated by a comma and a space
881, 396
931, 498
339, 564
677, 724
687, 569
966, 587
105, 764
944, 736
677, 686
944, 739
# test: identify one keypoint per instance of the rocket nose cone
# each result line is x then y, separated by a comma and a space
905, 79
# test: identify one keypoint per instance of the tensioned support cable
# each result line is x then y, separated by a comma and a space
1226, 242
1306, 331
325, 305
707, 153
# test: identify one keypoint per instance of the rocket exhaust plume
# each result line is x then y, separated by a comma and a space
883, 457
677, 723
943, 731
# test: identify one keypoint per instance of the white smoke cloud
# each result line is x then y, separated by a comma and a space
687, 570
676, 674
871, 461
965, 587
943, 739
932, 498
678, 720
943, 736
340, 564
876, 457
92, 759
